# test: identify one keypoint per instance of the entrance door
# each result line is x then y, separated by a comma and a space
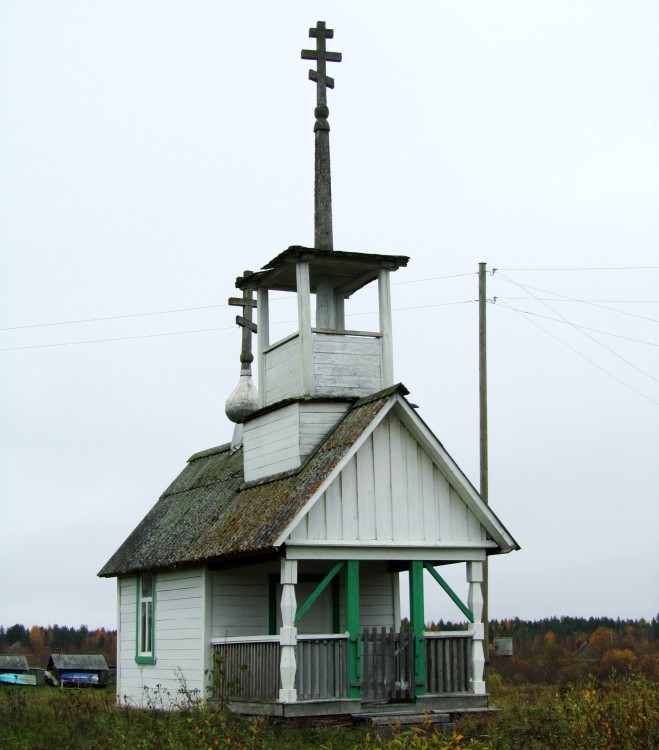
387, 666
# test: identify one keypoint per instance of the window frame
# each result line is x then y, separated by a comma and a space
143, 656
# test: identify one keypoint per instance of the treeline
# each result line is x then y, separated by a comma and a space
38, 643
558, 650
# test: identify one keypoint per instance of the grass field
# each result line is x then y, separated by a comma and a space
621, 715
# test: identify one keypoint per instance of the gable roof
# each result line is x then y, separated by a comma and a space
77, 661
14, 662
209, 513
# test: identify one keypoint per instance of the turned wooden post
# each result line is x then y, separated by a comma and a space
288, 632
475, 604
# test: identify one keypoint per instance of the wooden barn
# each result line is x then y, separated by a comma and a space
14, 663
274, 560
60, 665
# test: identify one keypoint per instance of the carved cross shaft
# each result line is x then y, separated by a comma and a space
320, 77
245, 322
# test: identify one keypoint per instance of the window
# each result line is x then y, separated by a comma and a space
146, 602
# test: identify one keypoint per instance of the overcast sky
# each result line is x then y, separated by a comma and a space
152, 151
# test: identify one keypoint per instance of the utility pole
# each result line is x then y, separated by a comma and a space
482, 387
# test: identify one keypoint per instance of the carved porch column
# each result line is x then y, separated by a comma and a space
288, 632
475, 604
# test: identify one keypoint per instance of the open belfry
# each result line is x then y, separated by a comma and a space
273, 562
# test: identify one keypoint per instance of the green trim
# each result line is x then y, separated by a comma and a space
465, 610
417, 622
140, 658
273, 580
352, 626
336, 604
317, 592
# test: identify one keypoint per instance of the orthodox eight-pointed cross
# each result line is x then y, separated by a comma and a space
320, 77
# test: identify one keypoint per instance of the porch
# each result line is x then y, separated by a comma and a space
247, 673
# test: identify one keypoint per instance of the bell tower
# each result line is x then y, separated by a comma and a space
308, 380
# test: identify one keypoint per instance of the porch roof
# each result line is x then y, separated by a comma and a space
208, 512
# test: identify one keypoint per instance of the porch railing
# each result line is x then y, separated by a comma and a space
322, 667
448, 662
248, 668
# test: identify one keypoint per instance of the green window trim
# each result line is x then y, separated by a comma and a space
145, 608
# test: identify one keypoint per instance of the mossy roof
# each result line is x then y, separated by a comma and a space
209, 513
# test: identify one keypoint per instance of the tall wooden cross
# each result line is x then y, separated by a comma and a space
323, 239
320, 33
245, 322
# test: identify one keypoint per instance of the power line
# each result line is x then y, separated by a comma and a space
112, 317
571, 299
192, 309
208, 330
574, 325
583, 356
586, 301
590, 268
583, 332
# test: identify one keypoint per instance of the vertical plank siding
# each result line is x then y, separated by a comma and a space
390, 491
448, 659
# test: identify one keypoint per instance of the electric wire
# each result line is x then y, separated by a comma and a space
508, 306
209, 330
583, 332
570, 299
195, 309
566, 297
587, 268
583, 356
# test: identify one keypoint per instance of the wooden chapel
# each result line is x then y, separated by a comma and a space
276, 558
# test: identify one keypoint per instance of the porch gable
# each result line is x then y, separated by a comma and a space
397, 486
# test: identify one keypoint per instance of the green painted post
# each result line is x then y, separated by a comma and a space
417, 621
352, 626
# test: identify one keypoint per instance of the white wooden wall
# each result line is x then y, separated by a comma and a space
284, 438
283, 371
390, 491
343, 365
179, 638
271, 443
317, 420
346, 365
378, 597
240, 601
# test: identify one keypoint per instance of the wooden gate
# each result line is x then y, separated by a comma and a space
387, 666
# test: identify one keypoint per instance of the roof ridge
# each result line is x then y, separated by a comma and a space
209, 452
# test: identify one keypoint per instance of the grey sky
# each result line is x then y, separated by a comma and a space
152, 151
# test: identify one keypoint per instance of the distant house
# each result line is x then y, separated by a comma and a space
503, 646
91, 664
13, 663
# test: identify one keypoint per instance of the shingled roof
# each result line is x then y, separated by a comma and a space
209, 513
